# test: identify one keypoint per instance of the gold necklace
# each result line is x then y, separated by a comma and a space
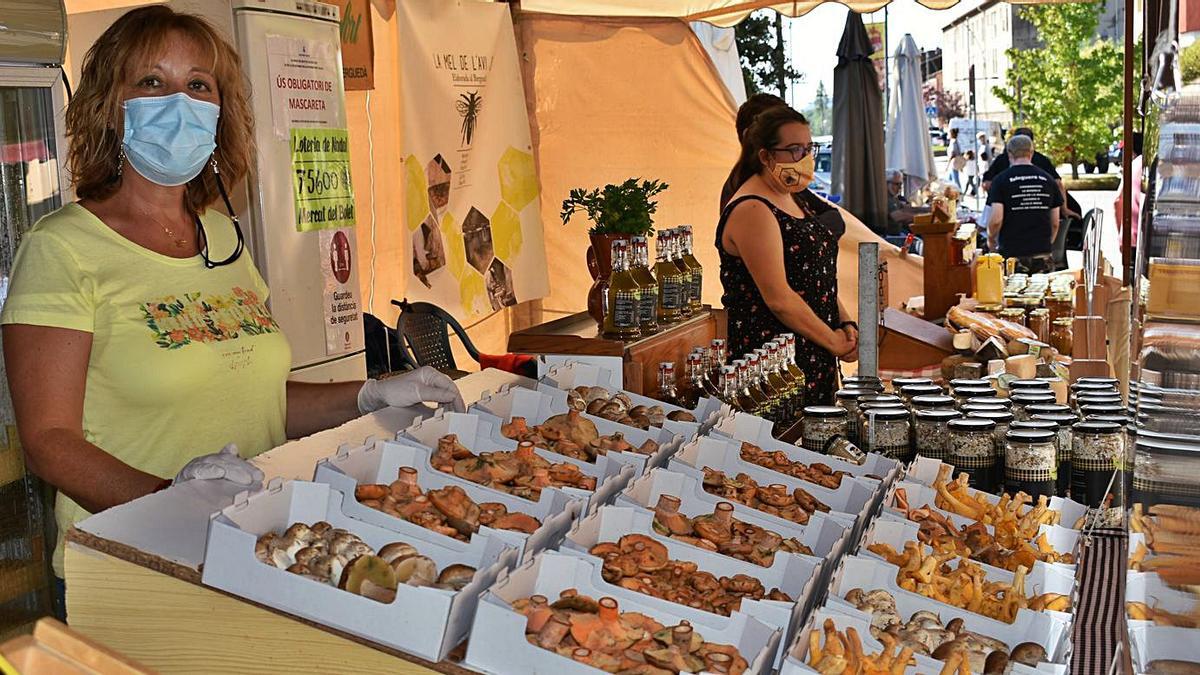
180, 242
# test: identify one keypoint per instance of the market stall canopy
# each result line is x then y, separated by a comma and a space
718, 12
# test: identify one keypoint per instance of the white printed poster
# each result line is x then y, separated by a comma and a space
339, 291
470, 185
304, 83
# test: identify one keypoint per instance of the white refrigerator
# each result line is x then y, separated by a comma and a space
300, 214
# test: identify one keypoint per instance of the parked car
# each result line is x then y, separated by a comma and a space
824, 169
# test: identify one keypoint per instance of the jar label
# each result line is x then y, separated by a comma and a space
646, 309
696, 286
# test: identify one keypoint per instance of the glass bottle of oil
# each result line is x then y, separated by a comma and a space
668, 392
758, 371
692, 388
786, 390
759, 403
624, 294
685, 273
717, 351
742, 399
729, 388
648, 306
696, 268
669, 280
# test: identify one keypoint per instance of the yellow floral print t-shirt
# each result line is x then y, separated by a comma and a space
184, 359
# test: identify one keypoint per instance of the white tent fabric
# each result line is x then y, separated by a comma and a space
721, 47
717, 12
908, 143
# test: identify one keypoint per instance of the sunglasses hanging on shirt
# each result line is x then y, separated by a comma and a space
237, 227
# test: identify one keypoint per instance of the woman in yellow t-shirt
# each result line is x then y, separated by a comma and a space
136, 338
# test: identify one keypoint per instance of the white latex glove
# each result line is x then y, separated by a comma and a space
409, 389
226, 464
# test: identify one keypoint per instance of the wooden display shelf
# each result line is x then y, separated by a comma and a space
160, 614
54, 649
578, 334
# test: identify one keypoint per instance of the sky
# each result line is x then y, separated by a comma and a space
814, 38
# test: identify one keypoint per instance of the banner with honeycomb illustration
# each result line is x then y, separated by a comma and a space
470, 186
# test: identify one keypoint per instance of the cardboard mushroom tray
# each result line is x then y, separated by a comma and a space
924, 471
1148, 588
897, 534
480, 433
571, 374
794, 574
1162, 643
796, 662
854, 497
379, 463
741, 426
1062, 539
1051, 630
498, 643
827, 535
538, 406
425, 621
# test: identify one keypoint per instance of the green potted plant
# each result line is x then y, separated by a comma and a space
616, 212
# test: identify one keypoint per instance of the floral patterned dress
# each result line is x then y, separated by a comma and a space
810, 261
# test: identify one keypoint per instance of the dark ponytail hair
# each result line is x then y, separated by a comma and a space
762, 134
754, 106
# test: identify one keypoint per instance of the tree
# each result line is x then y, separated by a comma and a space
1069, 90
818, 113
949, 104
765, 62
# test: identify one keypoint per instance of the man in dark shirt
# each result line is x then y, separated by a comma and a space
1001, 162
1024, 214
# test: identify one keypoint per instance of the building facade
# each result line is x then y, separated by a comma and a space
982, 37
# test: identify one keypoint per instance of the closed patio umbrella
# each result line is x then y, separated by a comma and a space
908, 146
858, 128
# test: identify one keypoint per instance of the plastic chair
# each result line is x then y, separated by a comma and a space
422, 329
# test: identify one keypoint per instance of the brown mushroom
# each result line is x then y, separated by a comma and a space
1028, 653
668, 519
517, 522
367, 568
681, 416
416, 570
455, 577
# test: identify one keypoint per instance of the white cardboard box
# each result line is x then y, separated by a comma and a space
1063, 539
855, 496
498, 644
897, 533
795, 575
924, 470
577, 373
538, 406
1149, 588
1049, 629
845, 617
826, 534
743, 427
425, 621
380, 462
480, 432
1043, 578
1153, 643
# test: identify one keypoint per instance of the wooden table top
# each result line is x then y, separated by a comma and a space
579, 334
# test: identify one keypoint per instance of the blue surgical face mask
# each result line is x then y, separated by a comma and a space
168, 139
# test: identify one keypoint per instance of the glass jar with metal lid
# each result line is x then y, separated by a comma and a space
969, 408
1030, 462
863, 382
960, 382
887, 433
1039, 323
863, 418
1020, 386
1062, 444
910, 390
848, 399
1061, 307
931, 402
990, 401
1106, 409
1091, 398
899, 383
1028, 398
1110, 381
1001, 418
1013, 314
1046, 408
1062, 334
931, 433
820, 423
1097, 451
972, 451
991, 308
962, 394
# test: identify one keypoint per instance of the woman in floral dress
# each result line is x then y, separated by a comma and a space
778, 245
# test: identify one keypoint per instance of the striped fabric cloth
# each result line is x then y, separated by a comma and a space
1100, 606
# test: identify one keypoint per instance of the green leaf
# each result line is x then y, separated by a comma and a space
616, 209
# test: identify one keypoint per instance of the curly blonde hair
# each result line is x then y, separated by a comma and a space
94, 122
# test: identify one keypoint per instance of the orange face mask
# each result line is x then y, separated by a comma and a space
795, 176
